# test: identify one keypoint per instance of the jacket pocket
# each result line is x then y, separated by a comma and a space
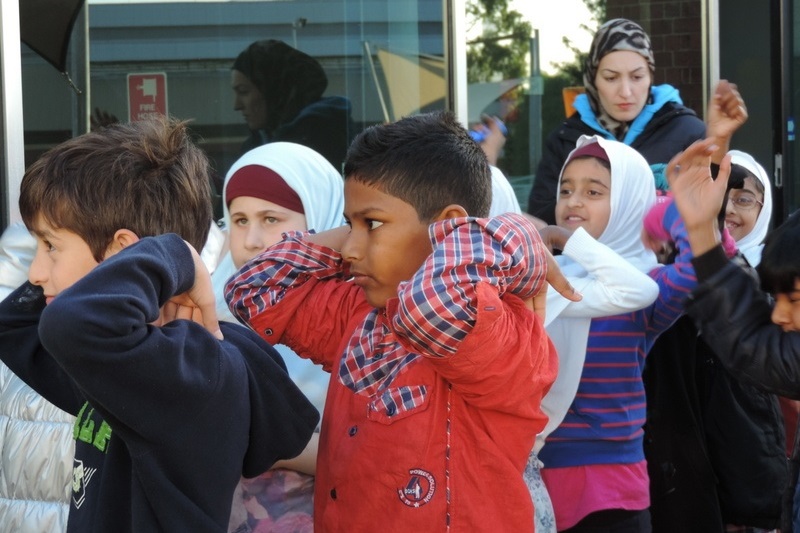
398, 403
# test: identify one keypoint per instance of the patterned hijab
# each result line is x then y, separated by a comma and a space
616, 34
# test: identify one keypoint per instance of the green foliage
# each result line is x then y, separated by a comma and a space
501, 52
573, 70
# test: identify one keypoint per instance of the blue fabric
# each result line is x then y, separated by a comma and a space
660, 95
796, 508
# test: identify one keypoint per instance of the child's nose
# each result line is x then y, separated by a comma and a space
37, 274
254, 239
352, 249
781, 313
575, 199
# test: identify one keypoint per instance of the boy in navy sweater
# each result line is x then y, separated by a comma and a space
115, 328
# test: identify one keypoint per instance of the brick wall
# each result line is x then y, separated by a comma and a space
675, 31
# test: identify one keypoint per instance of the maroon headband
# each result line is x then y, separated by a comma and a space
265, 183
592, 149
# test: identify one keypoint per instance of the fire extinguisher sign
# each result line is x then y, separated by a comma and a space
147, 95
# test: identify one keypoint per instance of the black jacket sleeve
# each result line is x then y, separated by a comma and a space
735, 316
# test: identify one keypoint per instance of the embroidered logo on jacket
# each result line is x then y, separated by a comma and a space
80, 479
419, 489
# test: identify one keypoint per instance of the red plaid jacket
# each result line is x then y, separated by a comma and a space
435, 400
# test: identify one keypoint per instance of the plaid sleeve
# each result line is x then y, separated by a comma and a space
266, 278
438, 307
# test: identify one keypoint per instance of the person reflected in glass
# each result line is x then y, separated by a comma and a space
280, 93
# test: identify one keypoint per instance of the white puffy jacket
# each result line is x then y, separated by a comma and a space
36, 444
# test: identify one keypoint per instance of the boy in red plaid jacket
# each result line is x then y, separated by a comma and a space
422, 312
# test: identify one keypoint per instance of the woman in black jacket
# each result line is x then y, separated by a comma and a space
620, 103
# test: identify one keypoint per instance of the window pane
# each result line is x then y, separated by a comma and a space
381, 59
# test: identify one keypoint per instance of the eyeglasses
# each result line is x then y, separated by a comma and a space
744, 202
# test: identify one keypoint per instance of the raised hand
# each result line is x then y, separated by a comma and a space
697, 195
556, 280
726, 114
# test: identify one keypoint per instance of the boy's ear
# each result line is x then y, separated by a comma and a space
122, 239
450, 211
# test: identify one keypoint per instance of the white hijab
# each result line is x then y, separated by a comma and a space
751, 244
504, 199
317, 183
632, 194
321, 190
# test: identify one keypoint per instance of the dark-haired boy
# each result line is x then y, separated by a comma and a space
423, 314
169, 416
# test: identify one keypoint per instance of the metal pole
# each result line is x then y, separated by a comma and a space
455, 39
535, 105
11, 109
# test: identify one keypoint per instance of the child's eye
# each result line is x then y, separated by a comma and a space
564, 192
373, 224
594, 192
47, 246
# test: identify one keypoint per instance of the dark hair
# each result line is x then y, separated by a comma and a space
779, 268
147, 177
287, 78
747, 174
428, 161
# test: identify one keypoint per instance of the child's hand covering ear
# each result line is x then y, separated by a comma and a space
198, 303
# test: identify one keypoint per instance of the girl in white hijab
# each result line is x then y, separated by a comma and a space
270, 190
600, 220
594, 465
749, 210
315, 182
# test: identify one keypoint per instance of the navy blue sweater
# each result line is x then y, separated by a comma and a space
168, 418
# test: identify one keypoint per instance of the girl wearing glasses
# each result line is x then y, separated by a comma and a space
749, 209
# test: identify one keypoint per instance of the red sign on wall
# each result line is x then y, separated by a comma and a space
147, 95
